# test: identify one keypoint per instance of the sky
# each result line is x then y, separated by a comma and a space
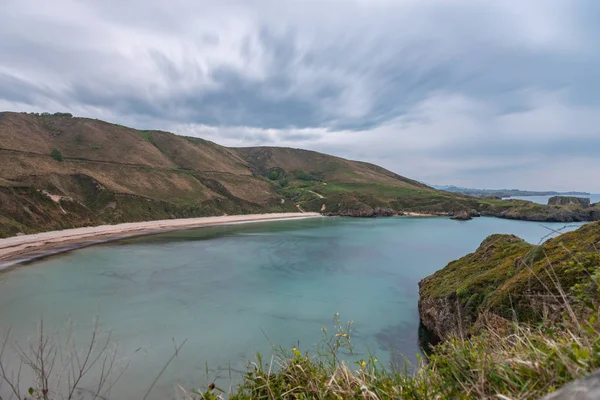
476, 93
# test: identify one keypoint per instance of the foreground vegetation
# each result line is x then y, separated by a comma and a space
533, 327
516, 362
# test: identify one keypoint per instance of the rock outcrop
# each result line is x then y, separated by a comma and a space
364, 212
461, 216
445, 316
543, 213
508, 277
569, 201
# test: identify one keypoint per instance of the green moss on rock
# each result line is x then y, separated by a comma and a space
512, 278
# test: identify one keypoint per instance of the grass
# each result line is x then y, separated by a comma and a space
515, 361
524, 356
506, 361
147, 136
381, 191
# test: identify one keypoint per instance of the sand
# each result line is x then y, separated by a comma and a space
17, 247
417, 214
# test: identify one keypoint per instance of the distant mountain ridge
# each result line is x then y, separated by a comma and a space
503, 192
59, 172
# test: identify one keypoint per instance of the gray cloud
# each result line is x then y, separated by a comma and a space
487, 93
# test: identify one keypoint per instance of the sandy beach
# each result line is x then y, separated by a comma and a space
17, 247
417, 214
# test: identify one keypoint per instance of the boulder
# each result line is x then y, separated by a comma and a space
587, 388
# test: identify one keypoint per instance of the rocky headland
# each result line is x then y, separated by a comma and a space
509, 278
569, 201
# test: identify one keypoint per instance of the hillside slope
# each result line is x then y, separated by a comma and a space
108, 173
60, 172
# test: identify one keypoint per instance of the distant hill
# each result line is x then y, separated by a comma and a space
60, 172
503, 192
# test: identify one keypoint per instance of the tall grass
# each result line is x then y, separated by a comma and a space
514, 361
505, 360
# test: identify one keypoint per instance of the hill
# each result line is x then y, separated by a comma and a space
503, 192
109, 173
61, 172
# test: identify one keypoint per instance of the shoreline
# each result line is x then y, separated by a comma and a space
418, 214
17, 250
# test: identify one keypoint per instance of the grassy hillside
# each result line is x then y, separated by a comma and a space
59, 171
109, 174
319, 182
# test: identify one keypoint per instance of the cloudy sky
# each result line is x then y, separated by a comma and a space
494, 94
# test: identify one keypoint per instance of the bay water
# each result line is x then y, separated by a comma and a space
231, 291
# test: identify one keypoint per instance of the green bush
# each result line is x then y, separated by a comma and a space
303, 175
56, 154
275, 174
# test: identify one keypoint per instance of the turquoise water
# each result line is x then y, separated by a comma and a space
234, 290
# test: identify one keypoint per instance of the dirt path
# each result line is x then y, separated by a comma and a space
317, 194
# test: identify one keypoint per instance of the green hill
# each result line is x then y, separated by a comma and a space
109, 173
59, 172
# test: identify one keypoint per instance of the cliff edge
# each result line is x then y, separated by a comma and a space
512, 279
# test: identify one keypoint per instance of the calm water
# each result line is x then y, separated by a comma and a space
232, 291
594, 198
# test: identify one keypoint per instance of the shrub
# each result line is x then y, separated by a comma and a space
303, 175
56, 154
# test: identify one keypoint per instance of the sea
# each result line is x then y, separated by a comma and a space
229, 292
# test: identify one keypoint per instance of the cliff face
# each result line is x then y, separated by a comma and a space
508, 277
569, 201
549, 213
445, 316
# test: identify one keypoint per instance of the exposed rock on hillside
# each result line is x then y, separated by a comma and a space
366, 212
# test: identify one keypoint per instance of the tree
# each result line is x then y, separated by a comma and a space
56, 154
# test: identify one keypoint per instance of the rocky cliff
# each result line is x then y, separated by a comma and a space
528, 211
568, 201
